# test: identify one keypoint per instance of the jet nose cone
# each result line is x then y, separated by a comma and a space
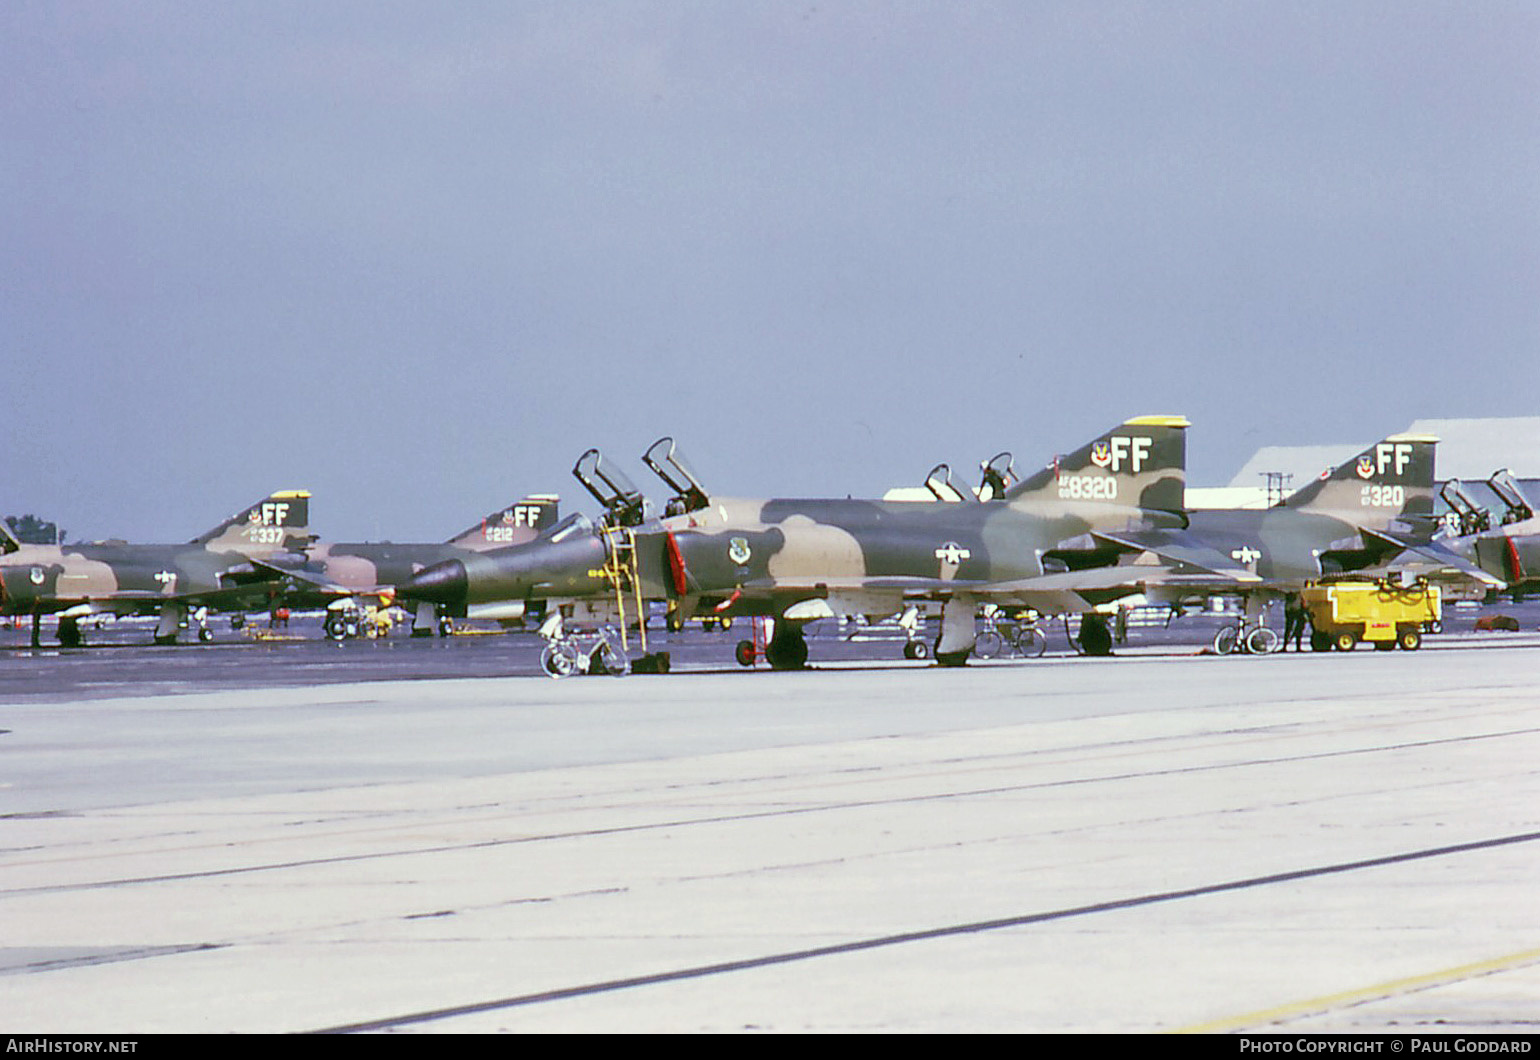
442, 583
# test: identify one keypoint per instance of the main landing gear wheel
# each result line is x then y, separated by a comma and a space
952, 658
787, 653
69, 633
1095, 637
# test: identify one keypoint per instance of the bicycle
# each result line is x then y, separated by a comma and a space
1242, 639
1017, 638
564, 655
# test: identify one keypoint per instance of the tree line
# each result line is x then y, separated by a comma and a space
33, 530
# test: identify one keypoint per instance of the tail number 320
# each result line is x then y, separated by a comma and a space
1382, 496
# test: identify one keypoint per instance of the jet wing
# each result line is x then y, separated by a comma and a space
1049, 593
1433, 560
265, 571
1183, 552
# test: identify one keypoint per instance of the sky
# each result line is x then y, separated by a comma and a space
418, 257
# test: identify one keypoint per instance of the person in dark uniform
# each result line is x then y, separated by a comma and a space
1294, 616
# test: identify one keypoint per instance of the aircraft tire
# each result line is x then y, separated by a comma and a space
916, 649
952, 658
789, 653
1095, 637
69, 633
744, 653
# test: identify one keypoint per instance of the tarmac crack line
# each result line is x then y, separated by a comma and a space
738, 817
950, 931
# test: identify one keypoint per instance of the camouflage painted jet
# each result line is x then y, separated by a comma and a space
216, 570
327, 573
1373, 514
801, 560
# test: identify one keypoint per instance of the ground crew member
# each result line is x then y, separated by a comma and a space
1294, 615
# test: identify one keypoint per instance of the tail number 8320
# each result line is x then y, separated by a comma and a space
1088, 487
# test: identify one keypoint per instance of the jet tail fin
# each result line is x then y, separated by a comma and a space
280, 520
1141, 462
521, 521
1392, 479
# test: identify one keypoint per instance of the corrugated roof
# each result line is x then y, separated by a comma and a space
1476, 448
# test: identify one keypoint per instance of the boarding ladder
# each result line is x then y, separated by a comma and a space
620, 570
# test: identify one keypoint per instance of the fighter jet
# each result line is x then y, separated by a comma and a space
329, 574
800, 560
1371, 515
215, 570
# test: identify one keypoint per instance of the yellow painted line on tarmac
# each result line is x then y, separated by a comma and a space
1368, 993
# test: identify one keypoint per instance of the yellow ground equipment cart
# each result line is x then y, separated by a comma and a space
1384, 613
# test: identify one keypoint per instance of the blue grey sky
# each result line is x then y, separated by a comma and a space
416, 257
